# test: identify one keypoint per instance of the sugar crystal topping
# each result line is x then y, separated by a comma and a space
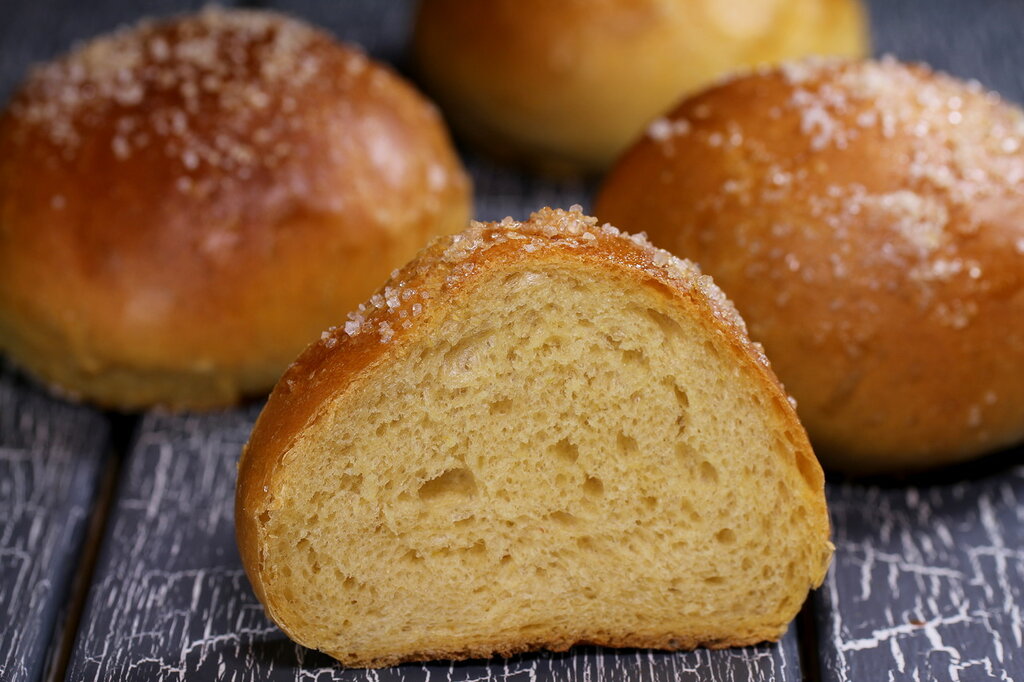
212, 90
968, 138
955, 144
399, 302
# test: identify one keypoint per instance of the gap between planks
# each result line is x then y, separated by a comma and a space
122, 435
807, 641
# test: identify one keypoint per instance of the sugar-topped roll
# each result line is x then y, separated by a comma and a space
536, 434
566, 86
867, 218
185, 204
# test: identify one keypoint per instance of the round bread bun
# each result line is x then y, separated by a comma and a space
565, 86
867, 218
530, 415
185, 204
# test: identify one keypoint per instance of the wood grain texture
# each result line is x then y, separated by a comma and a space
928, 581
170, 598
51, 457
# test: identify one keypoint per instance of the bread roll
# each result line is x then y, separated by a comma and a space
536, 434
185, 204
565, 86
868, 220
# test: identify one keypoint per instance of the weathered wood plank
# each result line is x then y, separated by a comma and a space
51, 459
170, 598
928, 581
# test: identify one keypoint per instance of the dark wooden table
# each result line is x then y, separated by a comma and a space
117, 554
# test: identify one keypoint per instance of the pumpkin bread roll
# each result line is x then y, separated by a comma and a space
185, 203
565, 86
868, 220
535, 435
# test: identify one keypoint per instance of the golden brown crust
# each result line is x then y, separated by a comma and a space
506, 648
565, 86
865, 218
184, 204
401, 312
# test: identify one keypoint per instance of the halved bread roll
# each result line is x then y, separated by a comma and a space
537, 434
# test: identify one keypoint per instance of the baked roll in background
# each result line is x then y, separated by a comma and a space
186, 203
565, 86
868, 220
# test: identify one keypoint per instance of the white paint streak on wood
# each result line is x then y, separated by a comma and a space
928, 582
51, 456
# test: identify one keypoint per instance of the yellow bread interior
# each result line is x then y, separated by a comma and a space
563, 456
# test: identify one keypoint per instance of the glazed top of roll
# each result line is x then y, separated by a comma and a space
866, 219
192, 192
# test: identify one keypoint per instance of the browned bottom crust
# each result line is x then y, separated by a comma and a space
507, 648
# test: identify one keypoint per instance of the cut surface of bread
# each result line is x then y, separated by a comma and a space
537, 434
